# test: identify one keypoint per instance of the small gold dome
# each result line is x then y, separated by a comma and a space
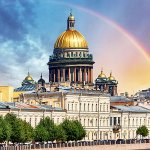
71, 39
111, 77
71, 17
102, 75
28, 77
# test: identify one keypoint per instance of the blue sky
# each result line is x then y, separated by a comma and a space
29, 29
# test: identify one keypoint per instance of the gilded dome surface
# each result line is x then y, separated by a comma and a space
29, 78
102, 75
71, 39
111, 77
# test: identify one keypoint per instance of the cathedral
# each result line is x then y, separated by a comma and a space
71, 65
71, 61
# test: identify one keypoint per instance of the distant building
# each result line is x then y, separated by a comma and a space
109, 84
121, 100
6, 93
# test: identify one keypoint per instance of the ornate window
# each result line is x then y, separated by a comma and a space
88, 106
68, 106
92, 107
96, 107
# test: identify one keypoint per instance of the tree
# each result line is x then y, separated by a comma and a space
74, 130
29, 132
143, 130
60, 134
81, 130
40, 134
70, 130
49, 127
17, 128
5, 130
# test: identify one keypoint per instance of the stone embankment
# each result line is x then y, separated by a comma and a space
107, 147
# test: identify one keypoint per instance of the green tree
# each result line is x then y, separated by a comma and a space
29, 132
19, 129
74, 130
81, 131
50, 127
143, 130
60, 134
40, 134
5, 130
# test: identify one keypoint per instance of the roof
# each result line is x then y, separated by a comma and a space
29, 87
17, 105
119, 99
131, 109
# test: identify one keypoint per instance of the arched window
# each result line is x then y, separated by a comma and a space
88, 122
72, 106
68, 106
107, 107
75, 107
84, 106
96, 122
96, 107
80, 107
84, 122
104, 107
57, 120
88, 106
92, 107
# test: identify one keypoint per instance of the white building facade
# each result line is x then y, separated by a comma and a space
92, 109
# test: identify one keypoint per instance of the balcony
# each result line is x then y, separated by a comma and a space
54, 58
116, 128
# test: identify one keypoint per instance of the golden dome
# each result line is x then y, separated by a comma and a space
71, 17
111, 77
102, 75
71, 39
28, 77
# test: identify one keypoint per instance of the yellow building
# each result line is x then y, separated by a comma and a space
6, 93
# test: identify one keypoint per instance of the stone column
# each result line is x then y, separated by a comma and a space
80, 75
50, 75
75, 74
54, 75
91, 75
69, 78
85, 74
64, 74
58, 75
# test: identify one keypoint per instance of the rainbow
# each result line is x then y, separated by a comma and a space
113, 24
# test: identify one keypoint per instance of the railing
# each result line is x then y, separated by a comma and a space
116, 128
72, 144
54, 58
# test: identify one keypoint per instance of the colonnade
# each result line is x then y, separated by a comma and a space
111, 88
72, 74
